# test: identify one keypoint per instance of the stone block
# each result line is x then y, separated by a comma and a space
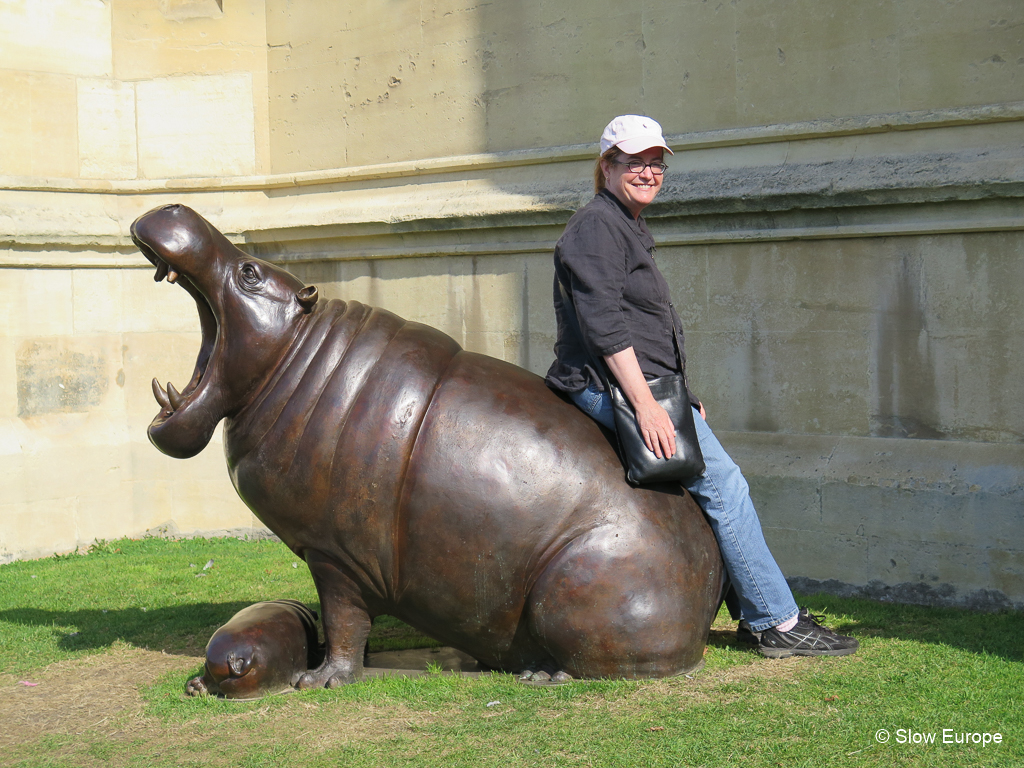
37, 528
534, 55
164, 356
791, 382
960, 494
107, 142
960, 568
185, 10
196, 126
128, 301
38, 115
64, 375
8, 384
810, 60
958, 53
70, 37
35, 303
689, 65
967, 283
819, 555
150, 42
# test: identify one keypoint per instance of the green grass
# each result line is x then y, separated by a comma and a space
918, 668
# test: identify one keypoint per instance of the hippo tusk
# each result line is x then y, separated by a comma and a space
161, 396
174, 396
172, 276
161, 270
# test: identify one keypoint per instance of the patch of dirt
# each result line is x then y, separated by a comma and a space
78, 695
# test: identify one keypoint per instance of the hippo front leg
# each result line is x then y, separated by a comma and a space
346, 624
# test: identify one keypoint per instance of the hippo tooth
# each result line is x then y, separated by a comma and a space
161, 271
176, 399
172, 276
161, 396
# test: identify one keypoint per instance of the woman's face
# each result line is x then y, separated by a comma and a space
634, 190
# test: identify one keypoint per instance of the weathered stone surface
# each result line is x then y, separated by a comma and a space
37, 122
61, 36
107, 141
196, 126
943, 515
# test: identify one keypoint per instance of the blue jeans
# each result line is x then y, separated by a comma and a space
723, 494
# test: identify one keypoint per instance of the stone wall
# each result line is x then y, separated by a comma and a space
842, 227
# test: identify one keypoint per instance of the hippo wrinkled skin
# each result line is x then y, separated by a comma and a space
447, 488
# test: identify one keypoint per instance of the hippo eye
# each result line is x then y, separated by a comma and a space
250, 275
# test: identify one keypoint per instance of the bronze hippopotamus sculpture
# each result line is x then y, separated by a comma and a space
263, 649
447, 488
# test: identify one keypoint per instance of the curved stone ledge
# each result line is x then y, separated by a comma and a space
959, 171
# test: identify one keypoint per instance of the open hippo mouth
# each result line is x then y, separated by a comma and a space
181, 245
247, 312
170, 399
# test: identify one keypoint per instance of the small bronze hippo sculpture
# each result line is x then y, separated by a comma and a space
263, 649
446, 488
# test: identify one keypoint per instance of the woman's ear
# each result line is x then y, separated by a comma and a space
307, 297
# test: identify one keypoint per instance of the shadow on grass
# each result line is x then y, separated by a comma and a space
999, 634
182, 629
175, 629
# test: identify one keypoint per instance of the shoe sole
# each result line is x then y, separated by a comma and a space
785, 653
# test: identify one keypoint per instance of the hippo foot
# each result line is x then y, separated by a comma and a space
543, 677
196, 687
327, 676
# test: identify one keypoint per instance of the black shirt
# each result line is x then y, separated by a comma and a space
605, 260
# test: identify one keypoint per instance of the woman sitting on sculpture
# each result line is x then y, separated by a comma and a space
604, 262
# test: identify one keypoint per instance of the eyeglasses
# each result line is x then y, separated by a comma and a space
638, 166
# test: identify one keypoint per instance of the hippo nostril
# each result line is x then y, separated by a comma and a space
172, 207
238, 665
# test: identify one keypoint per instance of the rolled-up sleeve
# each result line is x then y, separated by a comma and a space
594, 258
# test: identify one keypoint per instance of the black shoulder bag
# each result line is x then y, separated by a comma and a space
642, 466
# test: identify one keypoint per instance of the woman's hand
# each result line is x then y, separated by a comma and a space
656, 426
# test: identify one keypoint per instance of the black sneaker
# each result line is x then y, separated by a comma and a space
807, 638
745, 635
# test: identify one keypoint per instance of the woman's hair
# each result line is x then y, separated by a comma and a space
599, 172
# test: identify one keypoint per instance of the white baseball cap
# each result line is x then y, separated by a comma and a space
633, 134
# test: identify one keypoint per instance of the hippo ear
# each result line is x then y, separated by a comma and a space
307, 297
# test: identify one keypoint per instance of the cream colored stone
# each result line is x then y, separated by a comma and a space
8, 394
196, 126
40, 218
148, 45
184, 10
35, 303
37, 123
154, 40
62, 36
128, 301
163, 356
37, 528
107, 143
